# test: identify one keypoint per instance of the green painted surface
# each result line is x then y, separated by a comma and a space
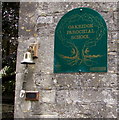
80, 42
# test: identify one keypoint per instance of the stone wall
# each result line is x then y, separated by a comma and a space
77, 95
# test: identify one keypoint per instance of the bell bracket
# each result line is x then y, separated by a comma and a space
34, 49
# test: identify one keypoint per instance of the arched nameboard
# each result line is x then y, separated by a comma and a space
80, 42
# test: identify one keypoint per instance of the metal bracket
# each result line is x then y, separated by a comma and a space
34, 49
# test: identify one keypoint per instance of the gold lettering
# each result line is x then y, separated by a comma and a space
91, 31
70, 26
69, 32
92, 56
80, 31
79, 37
80, 26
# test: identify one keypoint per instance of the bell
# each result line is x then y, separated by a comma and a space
27, 58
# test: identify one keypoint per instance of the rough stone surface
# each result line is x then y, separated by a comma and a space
84, 95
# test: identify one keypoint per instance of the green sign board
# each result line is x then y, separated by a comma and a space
80, 42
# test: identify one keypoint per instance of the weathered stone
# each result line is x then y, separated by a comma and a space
112, 41
109, 80
76, 95
108, 16
45, 54
87, 95
47, 19
27, 19
19, 81
57, 18
102, 110
54, 7
92, 80
62, 95
49, 116
48, 96
66, 81
43, 109
43, 81
92, 110
112, 62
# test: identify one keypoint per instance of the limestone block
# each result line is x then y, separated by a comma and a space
26, 106
108, 17
43, 81
90, 110
90, 80
24, 80
47, 19
43, 109
109, 80
77, 81
55, 117
106, 95
101, 109
62, 96
87, 95
95, 110
18, 113
27, 19
112, 41
74, 96
44, 30
66, 81
112, 62
28, 7
68, 110
116, 14
48, 96
112, 6
54, 7
19, 81
70, 5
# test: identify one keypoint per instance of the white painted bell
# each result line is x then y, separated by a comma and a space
27, 58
